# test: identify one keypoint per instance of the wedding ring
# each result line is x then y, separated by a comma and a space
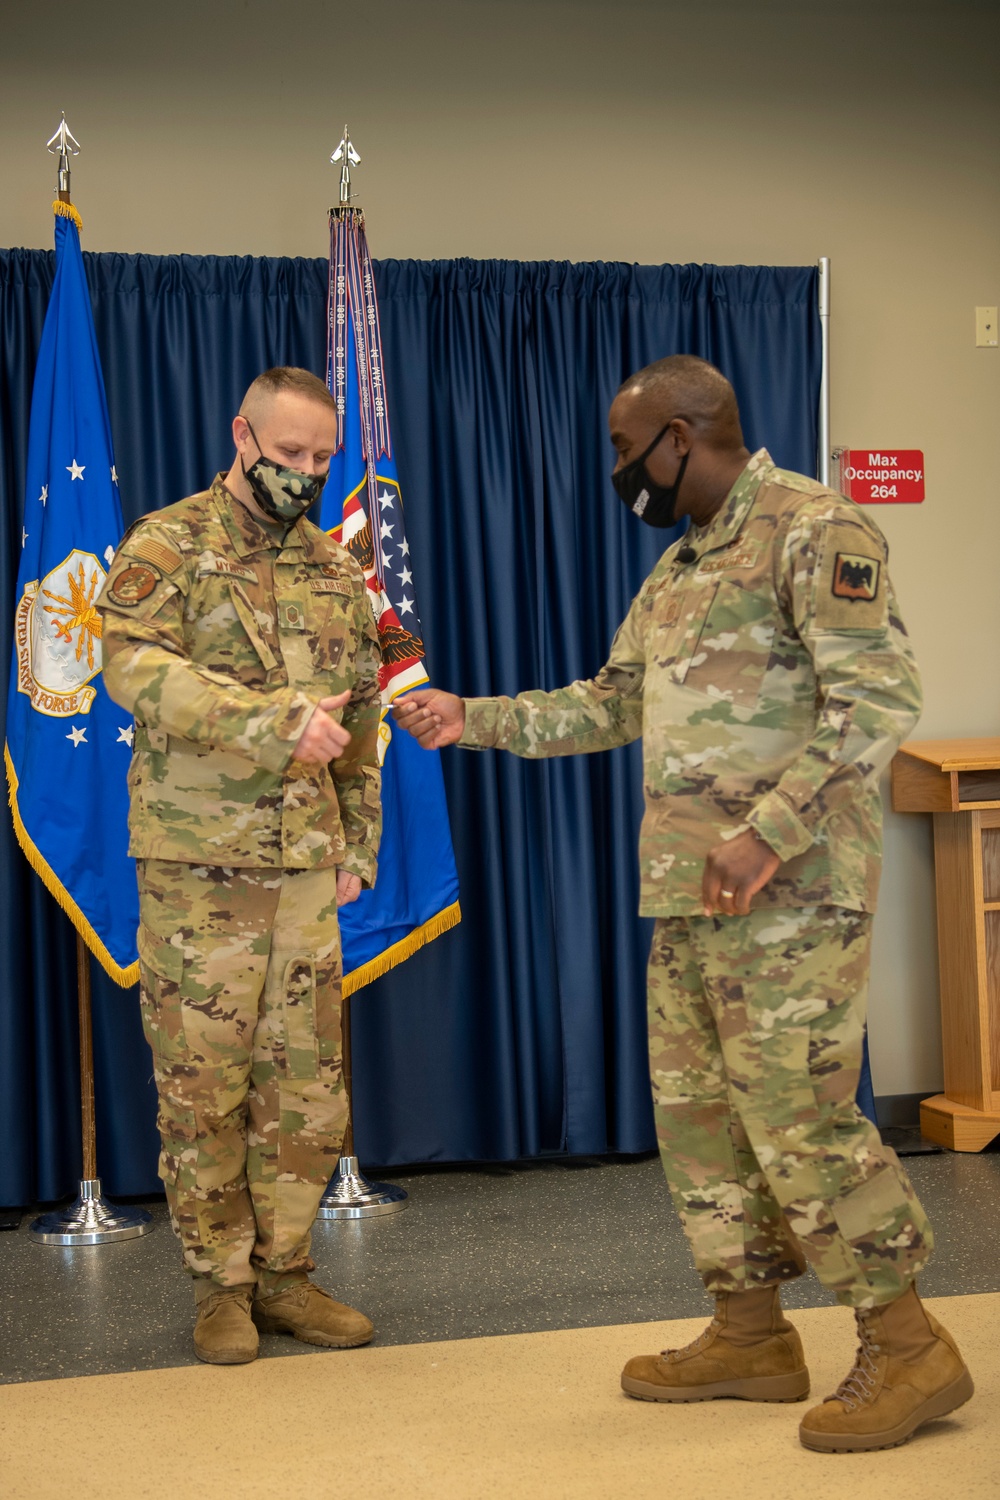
730, 894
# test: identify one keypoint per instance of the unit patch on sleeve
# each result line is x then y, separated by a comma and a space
855, 577
849, 588
133, 584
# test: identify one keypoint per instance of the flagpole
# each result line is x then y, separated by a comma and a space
88, 1113
350, 1194
91, 1219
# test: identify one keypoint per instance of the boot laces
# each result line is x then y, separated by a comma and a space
704, 1338
225, 1294
858, 1387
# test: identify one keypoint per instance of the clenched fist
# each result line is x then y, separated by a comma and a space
348, 887
323, 739
432, 717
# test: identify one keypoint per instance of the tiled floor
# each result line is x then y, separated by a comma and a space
477, 1253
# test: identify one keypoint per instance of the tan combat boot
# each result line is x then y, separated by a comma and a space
224, 1333
310, 1314
749, 1350
907, 1370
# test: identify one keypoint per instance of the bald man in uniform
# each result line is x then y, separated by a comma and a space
765, 665
241, 638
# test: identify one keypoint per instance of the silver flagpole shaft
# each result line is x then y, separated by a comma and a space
824, 379
350, 1194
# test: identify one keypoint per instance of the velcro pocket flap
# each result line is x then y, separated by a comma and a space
160, 956
245, 611
860, 1212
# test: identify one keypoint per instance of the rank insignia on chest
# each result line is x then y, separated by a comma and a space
855, 577
133, 584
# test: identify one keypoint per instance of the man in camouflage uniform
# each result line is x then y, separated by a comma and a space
241, 638
767, 670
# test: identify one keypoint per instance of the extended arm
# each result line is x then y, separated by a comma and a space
585, 716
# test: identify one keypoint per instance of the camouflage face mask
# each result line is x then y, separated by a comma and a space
283, 494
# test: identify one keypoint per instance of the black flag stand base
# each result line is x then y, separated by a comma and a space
91, 1220
350, 1194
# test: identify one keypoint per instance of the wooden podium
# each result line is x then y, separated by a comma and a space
958, 782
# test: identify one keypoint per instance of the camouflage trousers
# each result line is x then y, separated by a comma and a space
240, 987
756, 1028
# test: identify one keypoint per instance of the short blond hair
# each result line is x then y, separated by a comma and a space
271, 383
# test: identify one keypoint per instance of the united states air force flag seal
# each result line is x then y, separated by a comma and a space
68, 747
57, 635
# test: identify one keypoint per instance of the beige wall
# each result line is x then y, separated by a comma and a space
769, 133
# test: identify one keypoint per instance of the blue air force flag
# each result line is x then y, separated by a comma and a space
68, 746
416, 895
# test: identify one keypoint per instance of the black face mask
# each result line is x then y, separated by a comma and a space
656, 504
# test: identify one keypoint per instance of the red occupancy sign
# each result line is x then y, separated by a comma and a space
881, 476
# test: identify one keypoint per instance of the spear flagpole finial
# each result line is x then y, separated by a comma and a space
346, 155
64, 145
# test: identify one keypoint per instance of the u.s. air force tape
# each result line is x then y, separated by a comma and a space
134, 584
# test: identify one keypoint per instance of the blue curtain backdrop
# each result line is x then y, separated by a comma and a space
523, 1031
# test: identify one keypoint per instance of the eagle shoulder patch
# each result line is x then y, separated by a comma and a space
855, 577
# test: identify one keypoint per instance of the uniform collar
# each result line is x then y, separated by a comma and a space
249, 534
728, 520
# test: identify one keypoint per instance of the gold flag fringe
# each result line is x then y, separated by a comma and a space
376, 967
55, 887
67, 211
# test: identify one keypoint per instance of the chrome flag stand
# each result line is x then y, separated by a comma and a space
91, 1220
350, 1194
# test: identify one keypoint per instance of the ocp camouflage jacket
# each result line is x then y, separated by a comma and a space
771, 680
221, 634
